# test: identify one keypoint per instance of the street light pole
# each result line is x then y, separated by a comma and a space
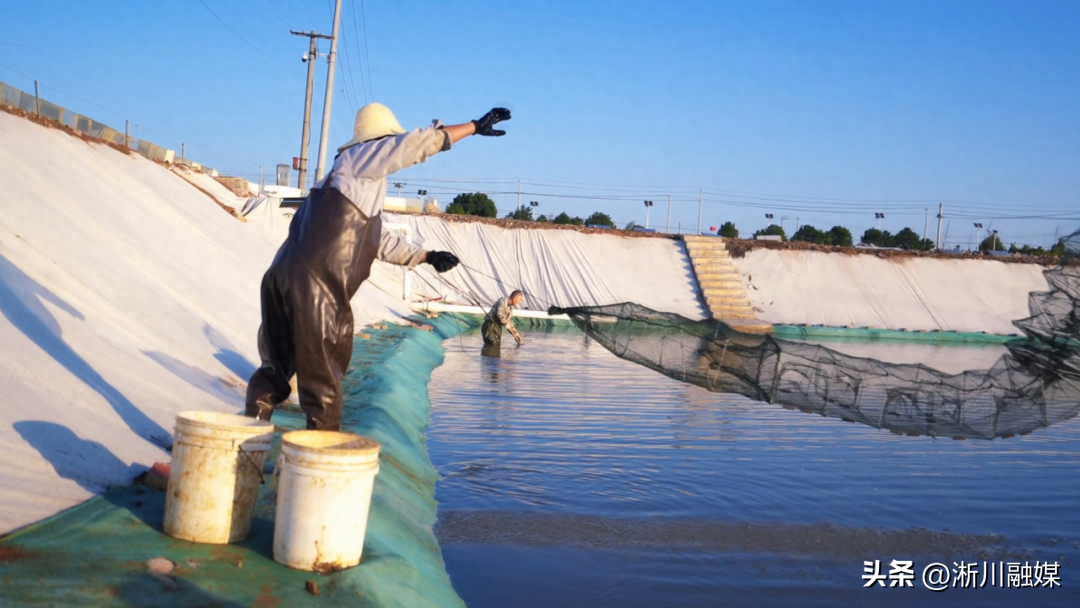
701, 193
940, 215
668, 230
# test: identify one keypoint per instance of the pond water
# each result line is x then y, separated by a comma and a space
574, 478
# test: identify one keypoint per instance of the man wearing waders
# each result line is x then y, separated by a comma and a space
307, 320
501, 315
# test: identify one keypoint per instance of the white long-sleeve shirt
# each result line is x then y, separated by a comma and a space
360, 172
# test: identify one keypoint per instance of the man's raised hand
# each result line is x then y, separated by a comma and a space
442, 260
489, 120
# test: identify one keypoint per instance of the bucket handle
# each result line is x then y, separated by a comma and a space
262, 476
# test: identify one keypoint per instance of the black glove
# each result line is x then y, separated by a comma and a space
442, 260
485, 124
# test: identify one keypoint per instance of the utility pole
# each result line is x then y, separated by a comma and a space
183, 153
926, 222
329, 95
940, 214
127, 138
309, 58
260, 181
519, 194
700, 194
668, 229
37, 100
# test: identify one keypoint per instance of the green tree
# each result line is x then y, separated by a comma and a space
600, 219
907, 239
728, 229
809, 234
632, 225
523, 212
1027, 250
877, 238
992, 243
840, 236
473, 203
565, 219
772, 230
543, 219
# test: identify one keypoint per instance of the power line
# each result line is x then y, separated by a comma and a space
349, 72
897, 203
260, 13
437, 189
274, 13
367, 56
195, 146
356, 41
237, 34
794, 204
85, 100
55, 90
301, 7
292, 15
17, 72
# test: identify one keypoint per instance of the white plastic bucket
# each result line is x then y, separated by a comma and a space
324, 496
214, 479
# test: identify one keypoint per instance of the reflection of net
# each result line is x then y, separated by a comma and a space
1034, 385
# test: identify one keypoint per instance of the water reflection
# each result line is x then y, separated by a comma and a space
555, 455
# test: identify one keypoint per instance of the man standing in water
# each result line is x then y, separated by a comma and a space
307, 320
501, 315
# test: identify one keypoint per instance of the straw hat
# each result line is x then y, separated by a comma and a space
372, 122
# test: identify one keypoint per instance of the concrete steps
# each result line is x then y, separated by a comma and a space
735, 302
719, 284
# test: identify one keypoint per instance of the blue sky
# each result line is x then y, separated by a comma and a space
823, 110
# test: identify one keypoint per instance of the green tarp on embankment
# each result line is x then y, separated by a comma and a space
864, 334
96, 554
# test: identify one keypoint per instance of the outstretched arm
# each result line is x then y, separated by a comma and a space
393, 154
460, 132
484, 126
394, 250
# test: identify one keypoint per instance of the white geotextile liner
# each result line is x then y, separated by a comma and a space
553, 267
125, 296
860, 290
